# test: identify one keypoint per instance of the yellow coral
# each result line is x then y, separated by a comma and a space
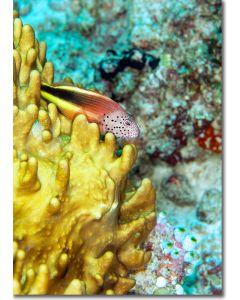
77, 230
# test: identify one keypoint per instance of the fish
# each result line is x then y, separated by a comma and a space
109, 115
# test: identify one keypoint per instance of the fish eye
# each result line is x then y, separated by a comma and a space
127, 122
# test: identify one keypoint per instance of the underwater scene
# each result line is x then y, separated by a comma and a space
117, 147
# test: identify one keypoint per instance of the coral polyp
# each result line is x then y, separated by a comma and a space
78, 222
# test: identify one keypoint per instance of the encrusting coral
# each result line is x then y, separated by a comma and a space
78, 222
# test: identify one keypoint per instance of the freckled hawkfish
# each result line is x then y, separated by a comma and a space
100, 109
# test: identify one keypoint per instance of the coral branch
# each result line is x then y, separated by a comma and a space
76, 229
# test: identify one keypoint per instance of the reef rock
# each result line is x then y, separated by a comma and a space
78, 223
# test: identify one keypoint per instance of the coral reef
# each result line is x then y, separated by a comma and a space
209, 208
78, 222
178, 106
186, 259
177, 189
170, 261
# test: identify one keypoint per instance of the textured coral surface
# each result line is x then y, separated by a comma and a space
177, 103
78, 222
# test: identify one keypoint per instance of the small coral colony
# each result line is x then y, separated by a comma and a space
117, 147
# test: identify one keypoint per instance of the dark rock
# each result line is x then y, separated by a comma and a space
209, 208
177, 189
116, 62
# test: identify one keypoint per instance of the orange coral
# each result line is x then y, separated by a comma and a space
210, 140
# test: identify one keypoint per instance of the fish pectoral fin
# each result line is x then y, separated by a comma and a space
71, 111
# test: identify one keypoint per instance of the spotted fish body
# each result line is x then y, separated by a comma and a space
121, 124
110, 116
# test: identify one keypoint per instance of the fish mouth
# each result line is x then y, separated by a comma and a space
135, 134
138, 132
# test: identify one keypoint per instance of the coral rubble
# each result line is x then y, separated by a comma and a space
175, 254
78, 222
